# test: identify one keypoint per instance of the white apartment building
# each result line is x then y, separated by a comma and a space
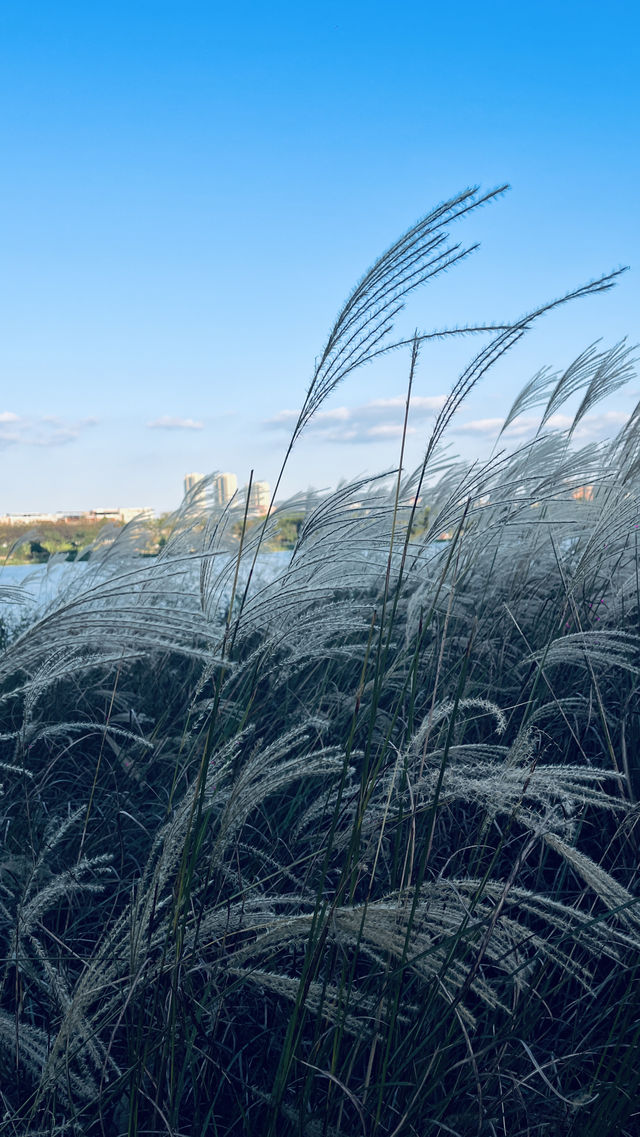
223, 487
220, 489
191, 481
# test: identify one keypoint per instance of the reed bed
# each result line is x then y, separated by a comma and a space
351, 850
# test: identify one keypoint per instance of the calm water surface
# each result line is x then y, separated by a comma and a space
27, 590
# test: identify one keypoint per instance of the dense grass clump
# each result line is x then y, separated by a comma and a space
348, 844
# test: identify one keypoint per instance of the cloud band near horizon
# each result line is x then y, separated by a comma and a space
383, 418
173, 422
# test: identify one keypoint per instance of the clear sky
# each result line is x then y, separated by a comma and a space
190, 189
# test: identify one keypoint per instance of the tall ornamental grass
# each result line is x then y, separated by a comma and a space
351, 849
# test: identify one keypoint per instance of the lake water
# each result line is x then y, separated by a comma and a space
17, 574
26, 591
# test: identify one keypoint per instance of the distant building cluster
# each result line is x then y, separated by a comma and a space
215, 492
220, 489
121, 515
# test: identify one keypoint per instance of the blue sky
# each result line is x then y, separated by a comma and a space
190, 191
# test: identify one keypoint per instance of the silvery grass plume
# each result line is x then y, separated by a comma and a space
370, 820
252, 903
30, 888
233, 931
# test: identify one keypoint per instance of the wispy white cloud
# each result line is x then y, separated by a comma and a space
421, 405
610, 418
479, 426
170, 422
44, 430
283, 419
368, 422
383, 418
593, 426
388, 430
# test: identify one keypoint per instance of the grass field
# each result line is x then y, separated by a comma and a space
352, 851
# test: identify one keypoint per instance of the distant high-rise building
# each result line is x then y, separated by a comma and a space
223, 488
259, 497
190, 481
216, 493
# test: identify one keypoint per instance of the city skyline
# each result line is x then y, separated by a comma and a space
123, 514
219, 491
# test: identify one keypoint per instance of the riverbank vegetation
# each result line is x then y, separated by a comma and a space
73, 539
25, 543
354, 850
